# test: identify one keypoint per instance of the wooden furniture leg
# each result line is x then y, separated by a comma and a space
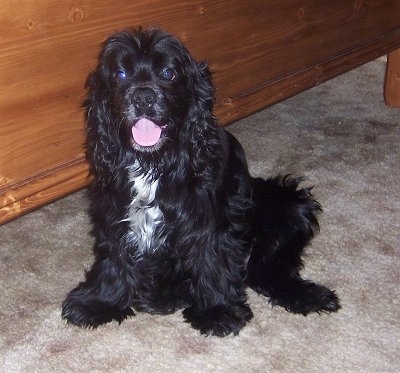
392, 79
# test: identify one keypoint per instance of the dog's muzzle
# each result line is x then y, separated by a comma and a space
145, 131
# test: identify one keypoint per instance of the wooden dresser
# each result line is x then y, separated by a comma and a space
259, 51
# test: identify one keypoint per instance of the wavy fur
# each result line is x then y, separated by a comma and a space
182, 224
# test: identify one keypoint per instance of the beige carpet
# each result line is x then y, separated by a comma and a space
346, 141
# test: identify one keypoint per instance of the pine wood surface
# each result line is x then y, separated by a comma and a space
260, 52
392, 81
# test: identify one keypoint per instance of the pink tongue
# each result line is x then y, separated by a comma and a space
145, 132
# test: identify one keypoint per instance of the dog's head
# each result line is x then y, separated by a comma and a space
145, 92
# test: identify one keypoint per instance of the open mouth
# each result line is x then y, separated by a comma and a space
146, 133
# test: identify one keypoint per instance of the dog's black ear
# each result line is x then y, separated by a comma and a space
204, 86
102, 153
203, 134
103, 144
202, 90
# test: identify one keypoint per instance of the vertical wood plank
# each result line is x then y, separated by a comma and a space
392, 80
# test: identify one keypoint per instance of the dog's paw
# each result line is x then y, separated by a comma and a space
93, 314
305, 297
220, 320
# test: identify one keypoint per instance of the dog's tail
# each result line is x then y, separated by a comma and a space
285, 221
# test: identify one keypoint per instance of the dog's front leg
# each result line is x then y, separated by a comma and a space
105, 295
218, 299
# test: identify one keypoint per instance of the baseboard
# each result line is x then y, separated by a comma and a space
43, 188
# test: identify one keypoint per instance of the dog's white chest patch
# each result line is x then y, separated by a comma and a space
143, 215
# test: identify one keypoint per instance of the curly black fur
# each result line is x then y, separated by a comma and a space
180, 223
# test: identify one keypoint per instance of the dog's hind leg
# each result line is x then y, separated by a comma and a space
285, 222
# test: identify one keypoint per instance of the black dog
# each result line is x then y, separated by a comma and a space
178, 221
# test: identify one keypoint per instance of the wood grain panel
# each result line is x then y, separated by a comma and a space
273, 91
43, 188
392, 80
260, 52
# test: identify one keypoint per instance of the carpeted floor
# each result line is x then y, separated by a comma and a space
344, 139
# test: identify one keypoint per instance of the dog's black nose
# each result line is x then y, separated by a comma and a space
143, 98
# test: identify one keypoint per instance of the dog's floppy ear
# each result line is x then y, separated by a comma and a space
103, 141
202, 90
204, 87
102, 154
203, 134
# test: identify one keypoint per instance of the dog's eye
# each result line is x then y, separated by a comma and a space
121, 75
168, 74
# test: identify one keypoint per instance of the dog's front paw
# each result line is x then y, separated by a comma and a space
220, 320
91, 314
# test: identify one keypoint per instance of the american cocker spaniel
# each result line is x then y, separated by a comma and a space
178, 221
